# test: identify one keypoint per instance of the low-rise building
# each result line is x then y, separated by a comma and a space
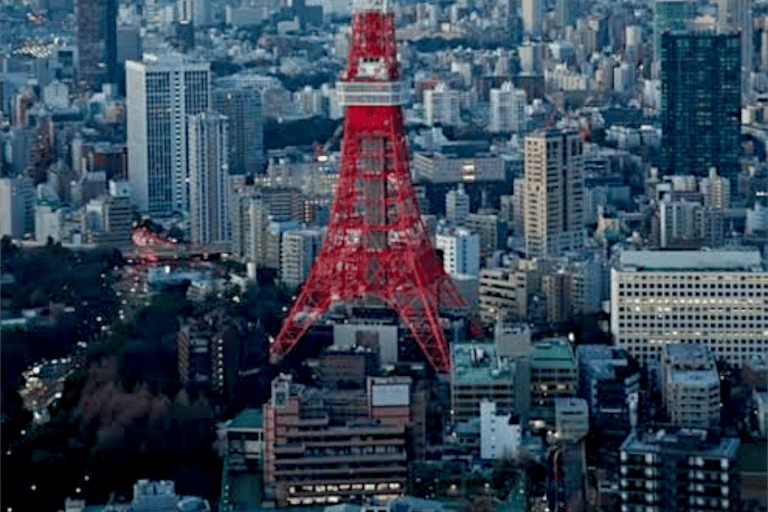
690, 386
500, 434
554, 374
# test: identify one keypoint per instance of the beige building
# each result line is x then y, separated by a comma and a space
503, 294
691, 386
717, 298
554, 193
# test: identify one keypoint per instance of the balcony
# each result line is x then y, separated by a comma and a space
370, 93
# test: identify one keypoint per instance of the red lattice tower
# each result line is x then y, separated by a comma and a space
375, 244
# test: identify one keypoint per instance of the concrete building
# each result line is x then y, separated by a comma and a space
554, 374
109, 219
461, 251
610, 382
715, 190
660, 298
500, 434
48, 220
436, 167
442, 105
242, 106
571, 419
533, 16
209, 184
690, 386
161, 94
492, 233
556, 288
478, 374
554, 193
680, 469
503, 294
298, 251
241, 445
350, 442
457, 205
508, 109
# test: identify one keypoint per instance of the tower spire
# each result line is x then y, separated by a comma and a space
375, 244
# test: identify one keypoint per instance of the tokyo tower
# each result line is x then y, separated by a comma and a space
375, 243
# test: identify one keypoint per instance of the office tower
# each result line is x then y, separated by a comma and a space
700, 103
441, 105
690, 386
736, 15
96, 35
162, 93
297, 252
554, 193
662, 297
507, 109
565, 13
461, 251
533, 17
209, 185
687, 469
672, 15
609, 381
246, 128
457, 205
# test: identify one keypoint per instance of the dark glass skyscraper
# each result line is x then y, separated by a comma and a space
96, 32
700, 103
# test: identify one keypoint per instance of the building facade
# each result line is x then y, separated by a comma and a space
554, 193
700, 103
690, 386
161, 94
716, 298
507, 109
209, 184
242, 107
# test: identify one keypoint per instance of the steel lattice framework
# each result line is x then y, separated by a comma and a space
375, 244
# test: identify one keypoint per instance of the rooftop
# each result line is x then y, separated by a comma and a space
478, 362
248, 418
686, 441
553, 353
744, 261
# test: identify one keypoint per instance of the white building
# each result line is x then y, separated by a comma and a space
461, 251
48, 218
690, 386
677, 222
507, 109
533, 16
457, 205
197, 12
571, 419
442, 105
717, 298
298, 251
500, 436
161, 94
209, 178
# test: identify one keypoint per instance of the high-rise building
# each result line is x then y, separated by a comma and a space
700, 103
442, 105
736, 15
457, 205
715, 190
246, 128
667, 471
671, 15
297, 252
162, 93
712, 297
533, 16
461, 251
690, 387
507, 109
565, 13
209, 185
96, 34
554, 193
16, 199
196, 12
